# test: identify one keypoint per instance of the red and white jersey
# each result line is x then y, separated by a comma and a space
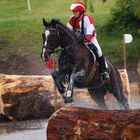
89, 28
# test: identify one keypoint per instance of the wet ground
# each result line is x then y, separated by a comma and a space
34, 129
24, 130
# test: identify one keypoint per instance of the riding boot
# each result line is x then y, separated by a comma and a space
101, 62
105, 76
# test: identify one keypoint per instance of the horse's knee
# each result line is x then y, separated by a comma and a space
57, 78
54, 75
80, 75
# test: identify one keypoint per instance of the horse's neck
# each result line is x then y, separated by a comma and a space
66, 36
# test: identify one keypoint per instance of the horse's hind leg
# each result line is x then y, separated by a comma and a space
98, 96
120, 98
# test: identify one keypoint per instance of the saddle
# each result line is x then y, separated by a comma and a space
91, 47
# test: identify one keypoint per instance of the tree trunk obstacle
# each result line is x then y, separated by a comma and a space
90, 124
25, 97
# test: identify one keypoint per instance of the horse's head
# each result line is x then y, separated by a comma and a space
50, 39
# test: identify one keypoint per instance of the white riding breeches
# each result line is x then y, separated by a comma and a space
95, 42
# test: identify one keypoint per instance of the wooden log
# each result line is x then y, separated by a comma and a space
29, 105
26, 97
125, 83
23, 83
90, 124
15, 88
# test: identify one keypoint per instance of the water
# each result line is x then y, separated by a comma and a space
24, 130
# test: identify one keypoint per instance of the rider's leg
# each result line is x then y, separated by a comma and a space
100, 59
103, 67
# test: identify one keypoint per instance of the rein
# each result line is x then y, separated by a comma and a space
65, 48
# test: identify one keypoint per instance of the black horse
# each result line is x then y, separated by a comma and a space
78, 66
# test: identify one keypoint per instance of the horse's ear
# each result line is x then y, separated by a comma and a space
45, 22
53, 22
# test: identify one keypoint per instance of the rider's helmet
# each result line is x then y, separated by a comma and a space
77, 6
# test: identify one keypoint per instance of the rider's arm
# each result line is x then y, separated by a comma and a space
90, 29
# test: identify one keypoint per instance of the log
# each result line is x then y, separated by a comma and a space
23, 83
90, 124
17, 90
26, 97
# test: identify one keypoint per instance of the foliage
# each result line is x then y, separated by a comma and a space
138, 68
136, 8
126, 19
91, 8
126, 16
89, 5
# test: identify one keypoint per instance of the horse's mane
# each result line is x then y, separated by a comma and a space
69, 34
57, 21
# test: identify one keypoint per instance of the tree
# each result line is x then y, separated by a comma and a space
126, 15
89, 4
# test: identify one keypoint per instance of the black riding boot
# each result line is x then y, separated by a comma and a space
102, 65
101, 62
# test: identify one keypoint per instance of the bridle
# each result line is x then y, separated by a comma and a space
45, 46
57, 50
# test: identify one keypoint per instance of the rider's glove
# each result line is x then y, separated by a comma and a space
81, 38
89, 37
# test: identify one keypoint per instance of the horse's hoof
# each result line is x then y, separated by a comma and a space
126, 106
68, 104
64, 95
68, 100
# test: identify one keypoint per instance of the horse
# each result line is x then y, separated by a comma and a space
77, 66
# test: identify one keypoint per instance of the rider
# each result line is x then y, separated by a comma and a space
83, 23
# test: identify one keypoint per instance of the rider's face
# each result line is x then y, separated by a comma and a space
76, 13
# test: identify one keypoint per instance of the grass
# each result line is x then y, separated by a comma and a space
20, 29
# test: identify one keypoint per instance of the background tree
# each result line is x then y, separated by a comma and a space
126, 16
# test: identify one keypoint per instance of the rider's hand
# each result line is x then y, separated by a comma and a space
81, 38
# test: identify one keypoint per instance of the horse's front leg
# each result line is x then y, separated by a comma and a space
75, 76
57, 76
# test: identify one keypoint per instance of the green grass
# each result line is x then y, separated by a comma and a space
20, 30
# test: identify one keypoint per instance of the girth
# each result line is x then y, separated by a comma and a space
91, 74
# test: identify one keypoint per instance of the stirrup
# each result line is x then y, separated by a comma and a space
105, 77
